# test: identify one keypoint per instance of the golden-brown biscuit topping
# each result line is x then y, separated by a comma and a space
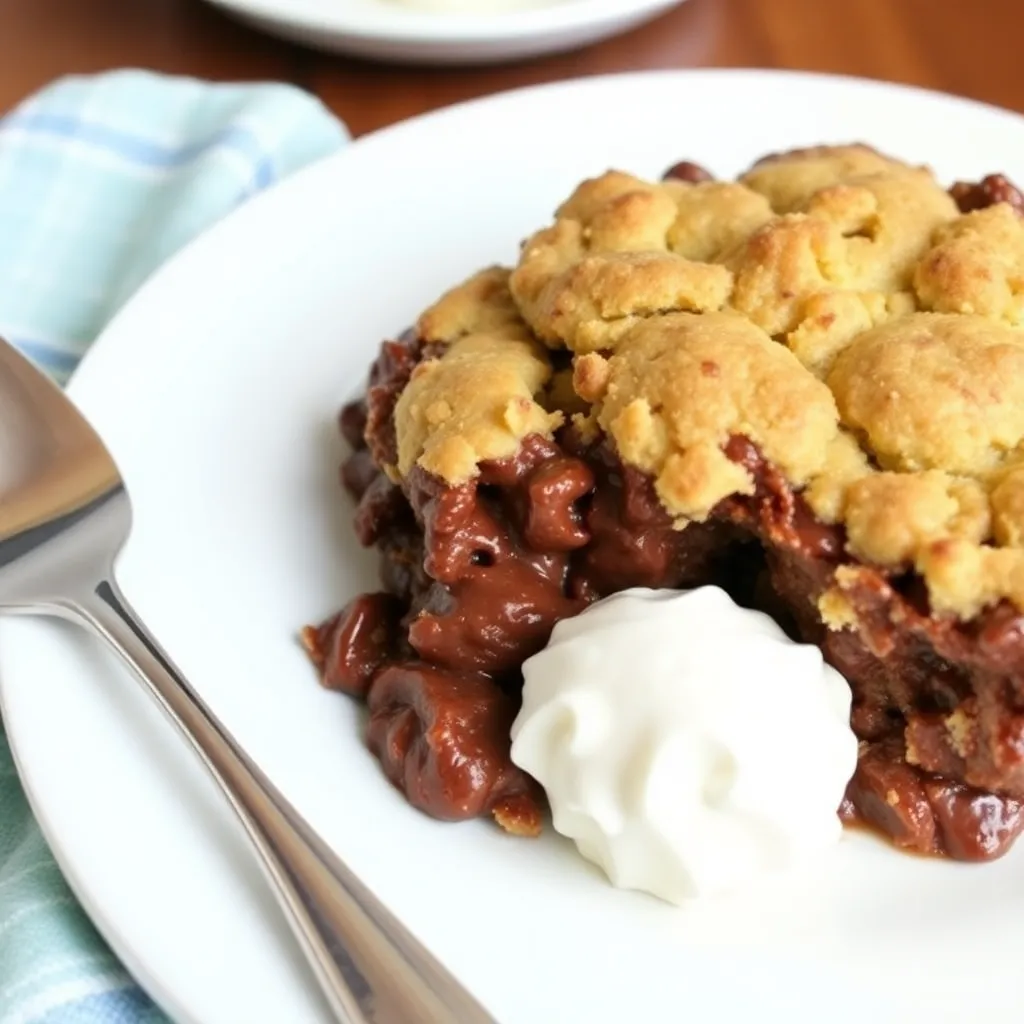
864, 236
963, 578
832, 305
788, 180
890, 517
482, 304
479, 399
1008, 507
828, 321
622, 249
476, 402
935, 391
678, 387
712, 218
976, 266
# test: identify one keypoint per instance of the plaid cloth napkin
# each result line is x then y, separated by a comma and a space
101, 179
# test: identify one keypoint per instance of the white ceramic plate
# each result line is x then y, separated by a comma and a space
391, 31
217, 389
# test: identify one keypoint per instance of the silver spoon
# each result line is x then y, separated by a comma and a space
64, 517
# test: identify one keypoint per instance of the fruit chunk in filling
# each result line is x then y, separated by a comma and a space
442, 737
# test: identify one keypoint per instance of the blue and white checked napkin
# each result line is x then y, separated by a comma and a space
101, 180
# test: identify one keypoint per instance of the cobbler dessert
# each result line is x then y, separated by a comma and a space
805, 386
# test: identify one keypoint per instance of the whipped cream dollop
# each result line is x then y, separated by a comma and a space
686, 744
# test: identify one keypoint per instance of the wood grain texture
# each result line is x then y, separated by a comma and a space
970, 49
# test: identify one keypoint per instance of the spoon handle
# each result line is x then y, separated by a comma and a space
372, 970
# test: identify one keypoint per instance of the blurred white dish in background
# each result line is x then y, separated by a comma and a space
471, 31
473, 6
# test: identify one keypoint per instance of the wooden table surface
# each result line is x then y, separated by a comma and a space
966, 48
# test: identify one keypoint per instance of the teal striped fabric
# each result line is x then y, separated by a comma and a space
53, 965
101, 180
